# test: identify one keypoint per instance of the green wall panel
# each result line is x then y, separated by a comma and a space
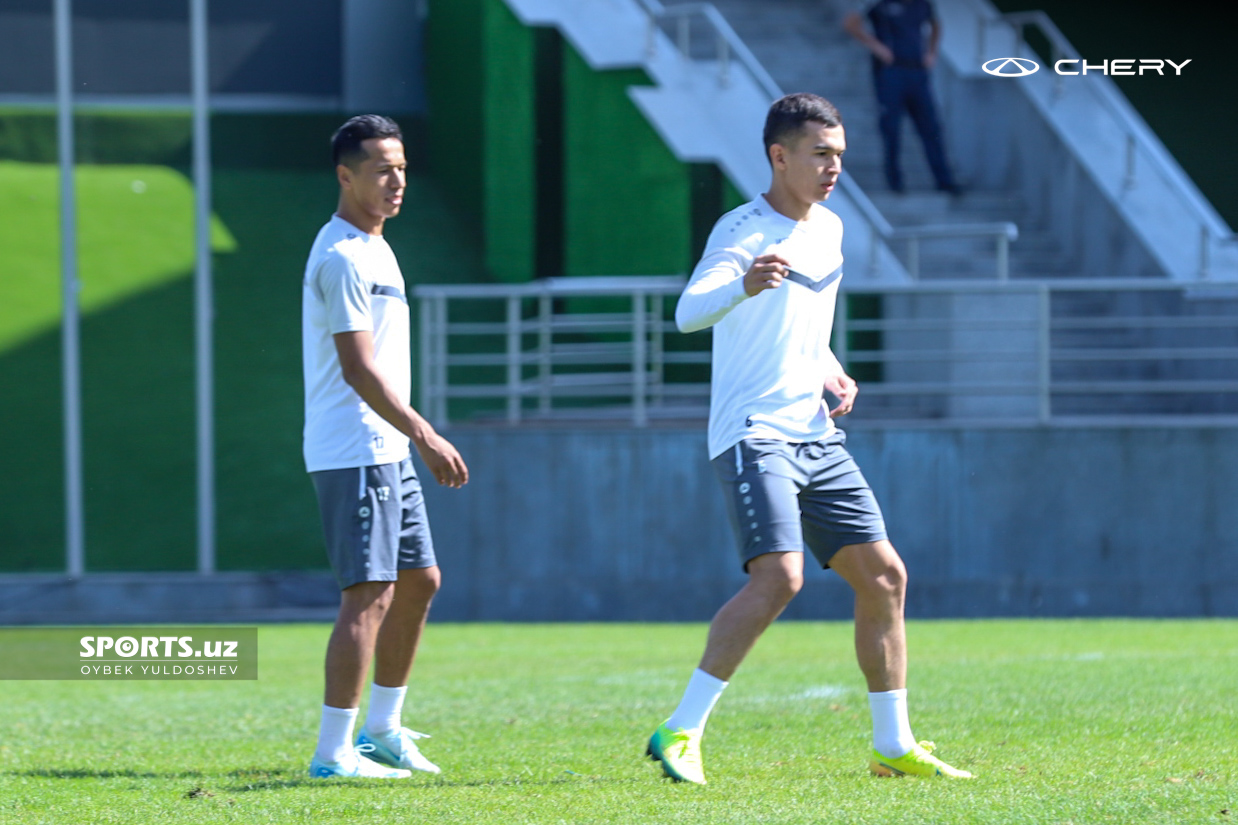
479, 83
628, 199
731, 196
508, 140
555, 163
454, 93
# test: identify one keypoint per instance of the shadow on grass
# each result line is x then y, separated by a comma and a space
437, 783
86, 773
258, 779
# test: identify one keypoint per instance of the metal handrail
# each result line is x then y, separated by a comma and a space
729, 42
1019, 358
1002, 231
592, 285
722, 31
643, 353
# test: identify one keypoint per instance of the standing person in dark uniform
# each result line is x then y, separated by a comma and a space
902, 58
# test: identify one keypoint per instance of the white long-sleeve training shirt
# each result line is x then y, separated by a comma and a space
771, 351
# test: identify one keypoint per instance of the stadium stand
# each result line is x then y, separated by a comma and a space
1032, 353
999, 304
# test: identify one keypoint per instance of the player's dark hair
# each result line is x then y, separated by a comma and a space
788, 115
346, 145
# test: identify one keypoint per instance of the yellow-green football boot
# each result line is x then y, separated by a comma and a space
679, 751
919, 761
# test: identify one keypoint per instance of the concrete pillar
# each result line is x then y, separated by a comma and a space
994, 342
382, 56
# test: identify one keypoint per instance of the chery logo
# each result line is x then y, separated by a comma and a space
1119, 67
1021, 67
1011, 66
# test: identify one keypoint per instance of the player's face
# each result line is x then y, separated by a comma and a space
377, 184
811, 164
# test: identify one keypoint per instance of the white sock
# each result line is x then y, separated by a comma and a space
698, 700
385, 704
335, 733
891, 729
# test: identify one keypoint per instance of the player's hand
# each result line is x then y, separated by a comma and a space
930, 59
444, 461
766, 272
843, 386
883, 53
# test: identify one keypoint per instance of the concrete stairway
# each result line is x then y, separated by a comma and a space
801, 43
1036, 254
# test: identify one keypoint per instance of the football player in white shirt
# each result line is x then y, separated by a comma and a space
358, 428
767, 283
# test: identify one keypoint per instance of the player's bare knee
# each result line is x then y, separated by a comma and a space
421, 583
895, 576
779, 585
379, 609
876, 576
366, 601
777, 576
433, 582
790, 585
889, 582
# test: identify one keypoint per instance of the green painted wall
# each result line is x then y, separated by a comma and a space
480, 63
542, 150
628, 199
273, 189
508, 185
731, 196
453, 50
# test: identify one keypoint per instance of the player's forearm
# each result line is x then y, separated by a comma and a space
707, 301
382, 399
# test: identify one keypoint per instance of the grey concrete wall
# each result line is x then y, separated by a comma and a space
168, 598
1059, 522
367, 54
381, 56
142, 47
628, 525
987, 343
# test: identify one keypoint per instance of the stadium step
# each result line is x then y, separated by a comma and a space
804, 48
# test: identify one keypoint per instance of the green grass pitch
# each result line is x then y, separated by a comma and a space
1063, 721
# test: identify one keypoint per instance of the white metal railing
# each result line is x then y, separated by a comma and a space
1002, 234
728, 47
543, 361
1139, 140
966, 352
1046, 351
243, 102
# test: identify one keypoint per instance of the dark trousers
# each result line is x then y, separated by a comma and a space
907, 88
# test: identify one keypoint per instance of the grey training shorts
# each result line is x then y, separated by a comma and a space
374, 521
783, 496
